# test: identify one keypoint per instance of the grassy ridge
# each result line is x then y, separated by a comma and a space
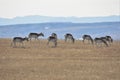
78, 61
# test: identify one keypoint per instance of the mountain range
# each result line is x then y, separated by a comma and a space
45, 19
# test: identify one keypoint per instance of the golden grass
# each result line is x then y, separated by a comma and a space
67, 61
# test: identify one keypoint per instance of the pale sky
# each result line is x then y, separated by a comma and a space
65, 8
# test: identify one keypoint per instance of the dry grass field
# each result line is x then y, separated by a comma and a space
67, 61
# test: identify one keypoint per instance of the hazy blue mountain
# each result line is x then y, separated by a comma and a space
61, 28
44, 19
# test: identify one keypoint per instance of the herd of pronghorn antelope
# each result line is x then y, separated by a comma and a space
106, 40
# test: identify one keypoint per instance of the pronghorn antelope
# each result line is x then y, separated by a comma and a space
18, 40
100, 41
52, 39
35, 35
70, 37
87, 37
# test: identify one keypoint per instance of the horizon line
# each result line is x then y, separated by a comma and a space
58, 16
